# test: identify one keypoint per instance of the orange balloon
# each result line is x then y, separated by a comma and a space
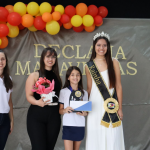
4, 42
47, 17
10, 8
81, 9
90, 29
67, 25
27, 20
56, 15
99, 24
2, 22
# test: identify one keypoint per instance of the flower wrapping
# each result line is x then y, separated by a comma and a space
49, 96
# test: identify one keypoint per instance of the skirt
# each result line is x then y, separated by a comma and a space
73, 133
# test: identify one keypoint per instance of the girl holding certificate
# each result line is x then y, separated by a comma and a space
104, 123
6, 106
73, 123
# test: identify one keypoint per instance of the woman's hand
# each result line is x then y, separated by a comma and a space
84, 113
41, 103
11, 127
120, 114
68, 110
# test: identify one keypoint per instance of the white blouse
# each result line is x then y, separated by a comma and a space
71, 119
4, 98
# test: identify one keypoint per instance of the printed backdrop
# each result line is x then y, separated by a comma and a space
130, 44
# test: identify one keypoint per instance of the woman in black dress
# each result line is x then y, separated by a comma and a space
43, 119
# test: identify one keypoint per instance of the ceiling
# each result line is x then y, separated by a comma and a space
116, 8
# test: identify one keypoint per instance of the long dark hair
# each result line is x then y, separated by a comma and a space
68, 73
111, 72
55, 68
7, 80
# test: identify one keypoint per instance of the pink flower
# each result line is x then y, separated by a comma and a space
50, 88
43, 86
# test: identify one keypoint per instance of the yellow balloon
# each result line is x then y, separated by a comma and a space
20, 8
13, 30
76, 20
45, 7
59, 8
0, 41
39, 14
52, 27
88, 20
32, 28
33, 8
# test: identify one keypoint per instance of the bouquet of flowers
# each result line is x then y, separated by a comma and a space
45, 88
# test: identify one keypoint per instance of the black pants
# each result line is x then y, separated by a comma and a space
43, 125
4, 129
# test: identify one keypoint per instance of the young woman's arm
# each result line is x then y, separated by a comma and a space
118, 87
31, 80
89, 80
11, 114
66, 110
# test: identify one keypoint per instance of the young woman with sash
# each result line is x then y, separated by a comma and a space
104, 123
43, 118
6, 106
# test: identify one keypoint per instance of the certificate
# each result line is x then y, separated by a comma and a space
81, 105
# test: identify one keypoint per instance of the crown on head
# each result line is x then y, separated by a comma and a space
102, 35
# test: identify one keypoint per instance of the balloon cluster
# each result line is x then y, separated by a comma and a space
48, 18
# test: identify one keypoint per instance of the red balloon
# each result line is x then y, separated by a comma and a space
60, 23
102, 11
53, 7
98, 25
92, 10
2, 22
3, 14
14, 19
78, 29
4, 30
70, 10
21, 27
98, 20
44, 30
65, 18
39, 23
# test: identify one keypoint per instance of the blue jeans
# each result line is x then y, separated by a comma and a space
4, 129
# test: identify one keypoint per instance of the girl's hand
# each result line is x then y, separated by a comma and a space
84, 113
41, 103
68, 110
11, 127
120, 114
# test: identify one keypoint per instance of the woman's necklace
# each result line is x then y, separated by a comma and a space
100, 59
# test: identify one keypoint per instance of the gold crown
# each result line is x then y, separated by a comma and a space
102, 35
